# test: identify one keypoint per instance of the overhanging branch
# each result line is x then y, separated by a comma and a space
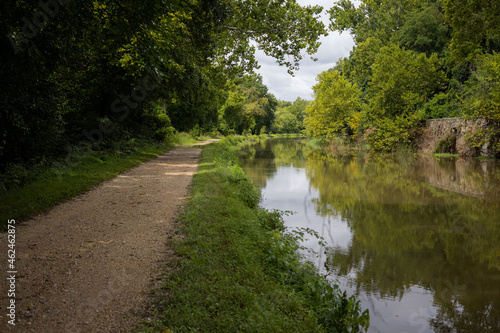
247, 32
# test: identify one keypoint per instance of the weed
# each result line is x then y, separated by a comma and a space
447, 144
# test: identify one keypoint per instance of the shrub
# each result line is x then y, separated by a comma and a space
446, 145
247, 132
164, 134
390, 134
482, 93
442, 105
196, 131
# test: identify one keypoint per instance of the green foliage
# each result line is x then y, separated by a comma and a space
441, 105
478, 137
231, 113
446, 145
244, 189
336, 100
159, 123
335, 310
402, 81
393, 133
424, 32
247, 132
361, 60
248, 107
282, 29
196, 131
286, 122
397, 66
401, 50
482, 91
15, 176
475, 28
481, 99
99, 63
290, 116
297, 108
379, 19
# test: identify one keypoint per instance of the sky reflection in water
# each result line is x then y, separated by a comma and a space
417, 240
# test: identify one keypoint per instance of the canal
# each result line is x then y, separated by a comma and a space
416, 239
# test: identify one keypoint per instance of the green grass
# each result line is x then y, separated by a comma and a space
445, 155
238, 269
184, 138
76, 174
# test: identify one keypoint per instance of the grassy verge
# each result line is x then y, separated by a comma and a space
78, 173
238, 269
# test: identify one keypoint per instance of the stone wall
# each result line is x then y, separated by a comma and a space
439, 129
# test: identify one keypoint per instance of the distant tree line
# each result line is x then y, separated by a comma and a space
290, 116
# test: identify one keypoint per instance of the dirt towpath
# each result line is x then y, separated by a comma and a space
87, 265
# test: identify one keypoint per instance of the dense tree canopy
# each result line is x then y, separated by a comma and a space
91, 73
414, 60
402, 81
475, 27
97, 72
336, 101
249, 106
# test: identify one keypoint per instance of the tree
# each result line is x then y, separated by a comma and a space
286, 122
379, 19
402, 81
290, 116
68, 67
335, 101
424, 32
282, 29
481, 99
231, 112
361, 61
298, 109
249, 106
475, 27
482, 95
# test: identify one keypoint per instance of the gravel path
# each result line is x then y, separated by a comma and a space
87, 265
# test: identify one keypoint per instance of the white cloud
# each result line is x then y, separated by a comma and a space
288, 88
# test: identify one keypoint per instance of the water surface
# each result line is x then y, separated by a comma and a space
417, 240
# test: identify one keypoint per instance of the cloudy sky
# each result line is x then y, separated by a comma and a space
288, 88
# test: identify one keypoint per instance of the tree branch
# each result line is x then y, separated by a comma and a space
247, 32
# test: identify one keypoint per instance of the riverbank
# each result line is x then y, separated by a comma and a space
237, 268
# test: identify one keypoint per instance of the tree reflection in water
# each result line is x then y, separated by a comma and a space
415, 222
